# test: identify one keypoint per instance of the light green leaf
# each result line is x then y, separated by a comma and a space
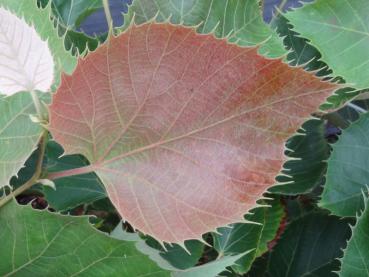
355, 261
241, 237
301, 52
339, 29
40, 243
18, 134
309, 247
348, 173
238, 20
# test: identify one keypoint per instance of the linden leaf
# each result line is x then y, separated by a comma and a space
186, 131
26, 61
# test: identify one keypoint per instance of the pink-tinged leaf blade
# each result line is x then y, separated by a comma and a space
186, 131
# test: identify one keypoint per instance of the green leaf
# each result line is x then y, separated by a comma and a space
207, 270
339, 30
176, 255
347, 173
355, 261
310, 247
40, 19
241, 237
72, 13
40, 243
238, 20
69, 14
301, 52
70, 191
210, 269
18, 134
308, 151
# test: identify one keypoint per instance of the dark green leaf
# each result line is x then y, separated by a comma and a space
309, 247
347, 173
242, 237
176, 255
308, 151
70, 191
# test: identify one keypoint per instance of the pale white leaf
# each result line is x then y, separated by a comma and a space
26, 62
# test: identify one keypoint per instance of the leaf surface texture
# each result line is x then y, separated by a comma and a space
186, 131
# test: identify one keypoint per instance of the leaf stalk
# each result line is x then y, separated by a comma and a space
108, 16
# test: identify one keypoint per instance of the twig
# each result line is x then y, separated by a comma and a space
356, 107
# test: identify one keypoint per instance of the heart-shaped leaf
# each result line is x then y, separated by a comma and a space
186, 131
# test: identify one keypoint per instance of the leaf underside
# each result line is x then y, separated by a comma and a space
186, 131
26, 60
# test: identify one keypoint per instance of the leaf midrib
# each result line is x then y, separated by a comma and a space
153, 145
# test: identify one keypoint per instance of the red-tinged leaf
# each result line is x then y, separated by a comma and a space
186, 131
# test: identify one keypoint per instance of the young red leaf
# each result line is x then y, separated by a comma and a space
186, 131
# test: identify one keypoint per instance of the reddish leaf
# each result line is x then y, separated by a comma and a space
185, 130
